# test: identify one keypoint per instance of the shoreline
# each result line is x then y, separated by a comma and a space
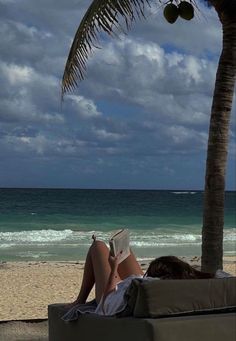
27, 287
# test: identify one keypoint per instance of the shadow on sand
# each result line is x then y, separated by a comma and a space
30, 330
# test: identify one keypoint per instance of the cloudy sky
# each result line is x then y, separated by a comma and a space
140, 118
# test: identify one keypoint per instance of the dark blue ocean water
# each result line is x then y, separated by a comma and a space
57, 224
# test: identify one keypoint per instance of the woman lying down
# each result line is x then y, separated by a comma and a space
112, 279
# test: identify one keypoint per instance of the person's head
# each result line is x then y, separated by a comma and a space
171, 267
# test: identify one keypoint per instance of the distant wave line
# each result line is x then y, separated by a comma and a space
184, 192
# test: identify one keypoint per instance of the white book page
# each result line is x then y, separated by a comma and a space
119, 244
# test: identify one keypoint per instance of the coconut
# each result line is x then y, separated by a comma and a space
171, 13
186, 10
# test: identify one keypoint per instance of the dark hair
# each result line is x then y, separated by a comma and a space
171, 267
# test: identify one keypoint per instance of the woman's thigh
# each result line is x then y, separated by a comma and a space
101, 267
129, 266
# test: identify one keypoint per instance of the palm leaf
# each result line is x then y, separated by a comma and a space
102, 15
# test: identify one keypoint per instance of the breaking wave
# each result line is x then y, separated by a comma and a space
139, 239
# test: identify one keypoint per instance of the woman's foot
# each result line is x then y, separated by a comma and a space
71, 305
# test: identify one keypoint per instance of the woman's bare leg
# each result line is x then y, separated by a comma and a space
129, 266
101, 267
88, 280
96, 271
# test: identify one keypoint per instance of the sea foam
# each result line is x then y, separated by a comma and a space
34, 237
138, 239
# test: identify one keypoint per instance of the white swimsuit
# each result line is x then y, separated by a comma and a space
114, 302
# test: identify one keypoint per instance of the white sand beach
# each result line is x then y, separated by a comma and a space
28, 287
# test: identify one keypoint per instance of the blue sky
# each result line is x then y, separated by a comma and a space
140, 118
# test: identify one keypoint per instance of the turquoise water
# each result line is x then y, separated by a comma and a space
57, 224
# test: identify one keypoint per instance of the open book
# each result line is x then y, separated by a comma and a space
120, 242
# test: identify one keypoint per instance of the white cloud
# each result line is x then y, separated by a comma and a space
106, 135
84, 107
146, 97
182, 135
41, 145
193, 69
198, 36
18, 74
144, 74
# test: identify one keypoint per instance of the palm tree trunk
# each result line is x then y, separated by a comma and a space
213, 216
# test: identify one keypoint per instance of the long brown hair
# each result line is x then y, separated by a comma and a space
171, 267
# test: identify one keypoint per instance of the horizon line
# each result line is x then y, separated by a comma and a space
115, 189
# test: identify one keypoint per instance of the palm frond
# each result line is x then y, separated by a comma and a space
102, 15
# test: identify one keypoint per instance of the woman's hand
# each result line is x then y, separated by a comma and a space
114, 261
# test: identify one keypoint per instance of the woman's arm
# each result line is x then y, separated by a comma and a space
113, 278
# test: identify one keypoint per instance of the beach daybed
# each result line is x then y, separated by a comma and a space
159, 310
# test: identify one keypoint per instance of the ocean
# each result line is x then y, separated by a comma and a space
57, 224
